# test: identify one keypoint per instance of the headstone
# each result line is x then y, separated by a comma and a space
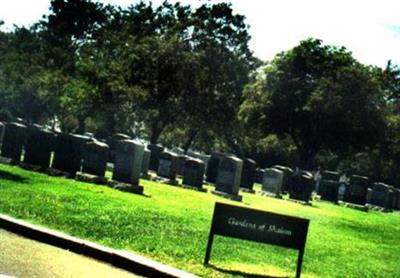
146, 162
396, 200
167, 165
38, 147
342, 190
229, 174
259, 176
193, 172
288, 172
95, 158
272, 181
13, 141
248, 174
212, 166
356, 191
2, 128
381, 195
112, 144
180, 164
68, 152
155, 150
128, 161
328, 187
301, 186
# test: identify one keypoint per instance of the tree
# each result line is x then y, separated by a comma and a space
321, 97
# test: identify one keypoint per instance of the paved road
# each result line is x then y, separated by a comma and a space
21, 257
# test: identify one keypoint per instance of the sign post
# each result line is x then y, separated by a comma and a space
260, 226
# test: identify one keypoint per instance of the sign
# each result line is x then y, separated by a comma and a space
260, 226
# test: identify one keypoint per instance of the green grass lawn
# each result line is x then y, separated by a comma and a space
171, 224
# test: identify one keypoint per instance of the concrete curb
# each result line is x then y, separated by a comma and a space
132, 262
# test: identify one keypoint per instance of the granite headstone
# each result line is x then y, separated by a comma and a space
13, 141
248, 174
356, 191
167, 165
229, 174
128, 161
272, 181
38, 147
155, 150
193, 172
212, 166
95, 158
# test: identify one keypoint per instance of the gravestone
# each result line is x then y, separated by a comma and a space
68, 152
180, 164
38, 147
248, 174
228, 178
2, 127
301, 185
288, 172
146, 162
396, 199
342, 190
128, 162
328, 187
212, 166
259, 176
112, 144
193, 172
380, 195
356, 191
13, 141
95, 158
155, 150
272, 181
167, 165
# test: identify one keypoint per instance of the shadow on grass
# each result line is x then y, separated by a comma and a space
12, 177
243, 274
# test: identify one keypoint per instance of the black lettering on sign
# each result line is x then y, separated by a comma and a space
260, 226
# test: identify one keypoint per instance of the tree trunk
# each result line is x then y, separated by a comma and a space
192, 133
81, 124
157, 128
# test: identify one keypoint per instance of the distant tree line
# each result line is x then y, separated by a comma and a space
186, 77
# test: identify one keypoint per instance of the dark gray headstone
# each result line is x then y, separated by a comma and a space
272, 181
380, 195
193, 172
330, 175
288, 172
180, 164
259, 176
128, 161
396, 199
329, 190
155, 150
2, 128
301, 185
13, 141
248, 173
212, 166
38, 147
356, 191
68, 152
146, 162
167, 165
95, 157
229, 174
112, 144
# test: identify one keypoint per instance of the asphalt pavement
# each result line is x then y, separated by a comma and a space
21, 257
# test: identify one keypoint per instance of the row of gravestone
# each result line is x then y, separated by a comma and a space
73, 153
358, 190
68, 154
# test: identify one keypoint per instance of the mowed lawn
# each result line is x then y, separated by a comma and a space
171, 225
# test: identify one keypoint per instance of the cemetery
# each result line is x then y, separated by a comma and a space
160, 134
105, 208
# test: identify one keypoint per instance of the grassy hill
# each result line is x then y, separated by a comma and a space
171, 224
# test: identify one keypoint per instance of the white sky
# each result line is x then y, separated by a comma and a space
370, 29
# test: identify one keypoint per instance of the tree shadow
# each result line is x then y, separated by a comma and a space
243, 274
12, 177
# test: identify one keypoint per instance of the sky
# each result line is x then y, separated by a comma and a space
370, 29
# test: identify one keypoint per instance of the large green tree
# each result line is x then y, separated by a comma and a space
321, 97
